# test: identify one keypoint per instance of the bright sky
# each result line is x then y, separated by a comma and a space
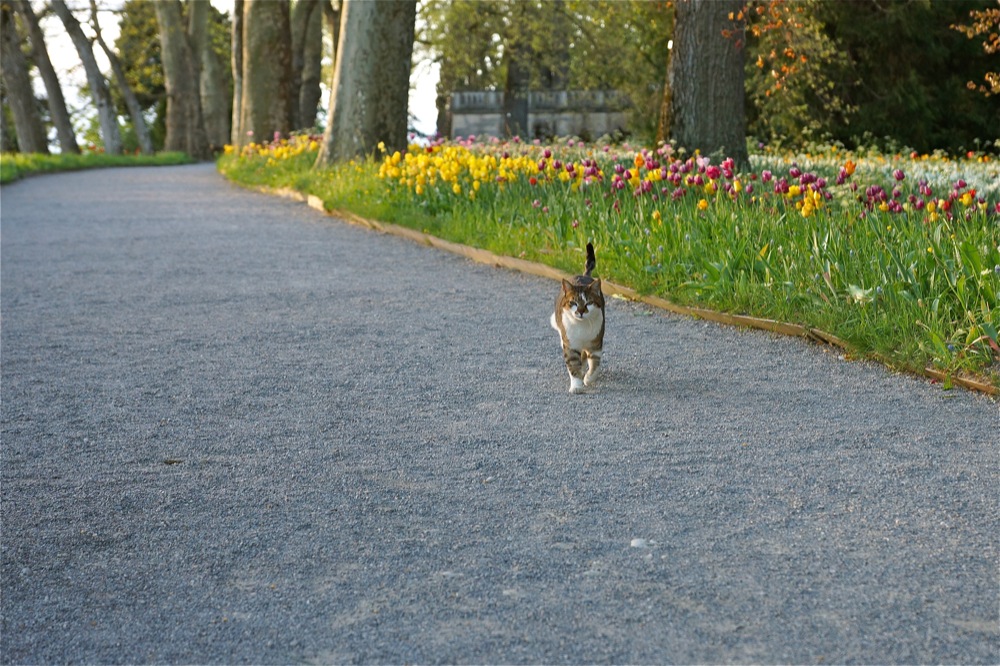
66, 61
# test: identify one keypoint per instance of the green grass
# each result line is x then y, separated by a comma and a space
14, 166
911, 288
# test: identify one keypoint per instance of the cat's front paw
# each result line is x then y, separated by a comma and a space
590, 378
576, 385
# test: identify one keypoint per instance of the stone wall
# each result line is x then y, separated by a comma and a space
587, 114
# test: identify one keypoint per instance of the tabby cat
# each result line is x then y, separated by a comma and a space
579, 318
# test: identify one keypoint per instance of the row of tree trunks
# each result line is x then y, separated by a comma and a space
27, 120
106, 115
40, 55
277, 50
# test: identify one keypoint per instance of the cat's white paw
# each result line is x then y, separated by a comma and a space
591, 377
576, 385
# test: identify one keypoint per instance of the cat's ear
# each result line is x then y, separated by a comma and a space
595, 286
567, 287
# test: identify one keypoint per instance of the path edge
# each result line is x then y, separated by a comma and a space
482, 256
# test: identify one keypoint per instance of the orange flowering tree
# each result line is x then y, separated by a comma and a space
792, 70
985, 22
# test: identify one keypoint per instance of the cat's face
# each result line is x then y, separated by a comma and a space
582, 302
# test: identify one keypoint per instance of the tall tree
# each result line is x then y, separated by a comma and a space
307, 58
907, 74
20, 95
106, 116
792, 72
214, 92
266, 106
8, 140
138, 48
185, 127
131, 102
517, 83
331, 21
371, 80
236, 49
53, 91
705, 79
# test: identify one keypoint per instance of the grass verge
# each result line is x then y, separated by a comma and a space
14, 166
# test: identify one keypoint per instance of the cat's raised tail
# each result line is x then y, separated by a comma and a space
591, 260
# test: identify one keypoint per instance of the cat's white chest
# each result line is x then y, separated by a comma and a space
581, 332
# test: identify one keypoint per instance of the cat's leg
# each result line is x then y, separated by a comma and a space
593, 363
574, 364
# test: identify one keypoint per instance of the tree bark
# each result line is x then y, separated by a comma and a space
371, 81
515, 91
307, 57
57, 102
185, 127
106, 116
212, 83
20, 94
8, 141
134, 109
237, 65
705, 80
267, 70
331, 17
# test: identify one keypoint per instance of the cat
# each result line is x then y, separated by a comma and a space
579, 319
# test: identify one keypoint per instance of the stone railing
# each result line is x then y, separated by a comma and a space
541, 114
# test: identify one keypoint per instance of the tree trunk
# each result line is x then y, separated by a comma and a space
267, 70
106, 116
705, 80
371, 82
307, 57
57, 103
515, 91
8, 141
237, 65
212, 83
331, 16
185, 127
134, 109
20, 95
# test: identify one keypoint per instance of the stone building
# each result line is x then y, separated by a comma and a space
587, 114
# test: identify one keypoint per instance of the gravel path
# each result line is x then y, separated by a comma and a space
236, 430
